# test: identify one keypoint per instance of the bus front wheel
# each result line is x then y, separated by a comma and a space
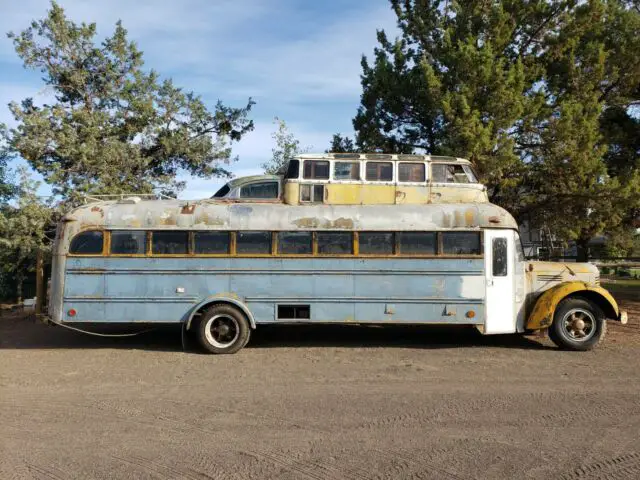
578, 324
223, 329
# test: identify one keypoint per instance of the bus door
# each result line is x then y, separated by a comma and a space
499, 258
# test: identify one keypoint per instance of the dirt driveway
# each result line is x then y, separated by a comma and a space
316, 403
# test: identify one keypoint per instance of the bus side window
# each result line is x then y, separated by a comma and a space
375, 243
169, 243
126, 242
87, 243
260, 190
316, 170
451, 174
499, 254
346, 171
417, 243
295, 243
312, 193
461, 243
379, 171
211, 243
248, 243
335, 243
411, 172
293, 169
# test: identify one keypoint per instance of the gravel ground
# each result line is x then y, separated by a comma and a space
318, 402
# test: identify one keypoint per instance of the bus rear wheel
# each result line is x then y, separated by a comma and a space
223, 329
578, 324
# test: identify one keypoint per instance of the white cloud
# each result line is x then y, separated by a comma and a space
296, 59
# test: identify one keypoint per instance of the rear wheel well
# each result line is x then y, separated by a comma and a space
598, 299
195, 318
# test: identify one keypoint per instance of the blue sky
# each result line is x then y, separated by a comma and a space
298, 59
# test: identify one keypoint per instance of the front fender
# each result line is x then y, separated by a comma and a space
542, 314
222, 298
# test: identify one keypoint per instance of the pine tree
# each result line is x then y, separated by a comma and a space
113, 127
538, 94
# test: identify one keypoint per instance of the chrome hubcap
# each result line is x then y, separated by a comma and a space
579, 324
222, 331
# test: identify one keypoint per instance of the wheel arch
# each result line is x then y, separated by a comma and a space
221, 300
544, 309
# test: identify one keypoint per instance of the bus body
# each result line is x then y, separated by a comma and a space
222, 269
362, 179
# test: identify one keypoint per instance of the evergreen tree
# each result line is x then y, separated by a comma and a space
22, 230
113, 127
340, 144
538, 94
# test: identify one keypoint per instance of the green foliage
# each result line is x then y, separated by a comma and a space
287, 147
340, 144
6, 187
113, 127
539, 95
23, 229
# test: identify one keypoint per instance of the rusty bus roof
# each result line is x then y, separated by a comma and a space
381, 156
136, 213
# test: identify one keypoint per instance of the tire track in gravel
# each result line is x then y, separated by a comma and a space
49, 473
164, 470
506, 404
315, 470
621, 467
420, 465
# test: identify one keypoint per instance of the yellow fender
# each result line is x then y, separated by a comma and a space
542, 314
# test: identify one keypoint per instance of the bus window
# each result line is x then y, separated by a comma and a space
295, 243
248, 243
222, 192
316, 169
375, 243
379, 171
126, 242
461, 243
335, 243
87, 243
169, 243
346, 171
417, 243
411, 172
499, 254
451, 174
260, 190
211, 243
293, 169
311, 193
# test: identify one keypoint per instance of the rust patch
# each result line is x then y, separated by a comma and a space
312, 222
494, 219
98, 209
188, 209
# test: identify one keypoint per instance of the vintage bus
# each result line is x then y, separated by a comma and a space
362, 179
222, 269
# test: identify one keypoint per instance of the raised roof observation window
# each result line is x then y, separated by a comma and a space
448, 173
316, 170
346, 171
411, 172
379, 171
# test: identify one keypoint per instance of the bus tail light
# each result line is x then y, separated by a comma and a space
72, 312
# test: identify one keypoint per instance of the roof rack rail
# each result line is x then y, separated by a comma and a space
123, 196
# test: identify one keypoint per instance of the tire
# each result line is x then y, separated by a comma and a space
578, 324
223, 329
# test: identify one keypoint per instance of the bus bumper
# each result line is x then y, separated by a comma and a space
623, 317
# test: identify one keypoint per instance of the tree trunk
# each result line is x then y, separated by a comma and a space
583, 250
19, 282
